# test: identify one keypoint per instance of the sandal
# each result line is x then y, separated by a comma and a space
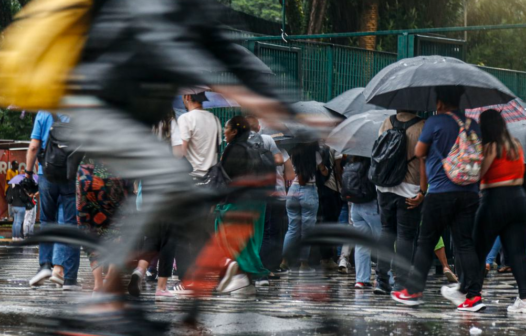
486, 271
451, 277
504, 269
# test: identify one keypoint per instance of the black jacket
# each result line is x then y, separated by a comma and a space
139, 53
17, 196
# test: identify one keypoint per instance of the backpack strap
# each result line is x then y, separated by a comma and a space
403, 125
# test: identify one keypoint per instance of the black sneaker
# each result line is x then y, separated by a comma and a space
71, 286
281, 270
381, 290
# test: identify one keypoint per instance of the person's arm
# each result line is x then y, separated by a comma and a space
414, 202
31, 156
490, 153
423, 175
278, 158
421, 150
289, 171
178, 151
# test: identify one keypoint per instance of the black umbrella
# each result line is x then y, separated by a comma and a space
357, 134
410, 84
351, 102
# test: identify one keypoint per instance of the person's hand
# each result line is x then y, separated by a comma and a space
414, 202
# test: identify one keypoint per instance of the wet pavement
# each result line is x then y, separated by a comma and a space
325, 304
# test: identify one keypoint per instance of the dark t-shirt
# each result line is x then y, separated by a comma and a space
440, 133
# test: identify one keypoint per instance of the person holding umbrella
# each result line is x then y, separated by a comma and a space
452, 200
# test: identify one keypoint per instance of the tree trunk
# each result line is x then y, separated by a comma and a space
5, 14
295, 16
23, 2
317, 16
369, 23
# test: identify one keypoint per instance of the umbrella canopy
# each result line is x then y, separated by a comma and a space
316, 108
512, 112
357, 134
410, 84
215, 100
350, 103
518, 130
19, 178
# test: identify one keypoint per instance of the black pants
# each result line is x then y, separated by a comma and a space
275, 222
456, 209
502, 213
399, 225
161, 241
328, 212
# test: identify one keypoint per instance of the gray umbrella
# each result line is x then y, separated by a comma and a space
410, 84
350, 103
357, 134
316, 108
518, 130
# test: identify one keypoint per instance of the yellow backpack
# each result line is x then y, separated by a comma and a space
40, 48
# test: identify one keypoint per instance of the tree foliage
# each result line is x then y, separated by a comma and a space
497, 48
266, 9
14, 127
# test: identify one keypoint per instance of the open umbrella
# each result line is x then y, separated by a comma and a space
19, 178
410, 84
357, 134
316, 108
351, 102
518, 130
512, 112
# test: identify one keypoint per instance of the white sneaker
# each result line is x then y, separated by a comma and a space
343, 266
231, 270
453, 294
238, 283
180, 289
57, 279
519, 306
38, 280
134, 287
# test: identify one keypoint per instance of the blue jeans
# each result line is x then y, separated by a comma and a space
52, 197
302, 208
366, 220
18, 221
494, 251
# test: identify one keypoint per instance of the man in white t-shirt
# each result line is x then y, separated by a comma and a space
201, 135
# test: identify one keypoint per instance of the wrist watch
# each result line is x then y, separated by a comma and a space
30, 172
422, 192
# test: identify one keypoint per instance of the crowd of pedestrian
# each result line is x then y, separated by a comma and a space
312, 184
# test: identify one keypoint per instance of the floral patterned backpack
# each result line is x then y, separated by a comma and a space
463, 163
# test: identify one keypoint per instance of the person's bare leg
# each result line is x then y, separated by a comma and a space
58, 270
143, 266
97, 277
441, 255
161, 283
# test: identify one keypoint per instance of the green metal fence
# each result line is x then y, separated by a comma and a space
514, 80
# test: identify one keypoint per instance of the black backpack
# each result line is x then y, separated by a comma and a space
356, 187
389, 156
262, 164
60, 158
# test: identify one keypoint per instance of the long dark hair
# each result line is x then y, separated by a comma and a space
304, 161
494, 130
242, 126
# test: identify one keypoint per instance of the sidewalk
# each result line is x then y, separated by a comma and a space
292, 305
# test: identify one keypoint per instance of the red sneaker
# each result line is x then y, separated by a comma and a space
473, 305
363, 285
406, 298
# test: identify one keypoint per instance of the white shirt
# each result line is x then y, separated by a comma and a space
280, 176
202, 130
